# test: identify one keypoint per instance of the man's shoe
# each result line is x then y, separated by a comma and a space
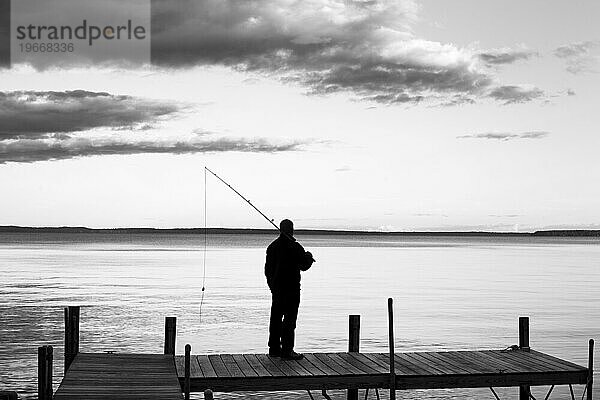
275, 352
292, 355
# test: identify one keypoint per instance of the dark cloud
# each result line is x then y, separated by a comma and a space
512, 94
365, 48
506, 135
31, 150
34, 114
505, 56
580, 57
40, 126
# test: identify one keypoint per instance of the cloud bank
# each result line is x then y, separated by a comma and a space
506, 135
506, 56
580, 56
35, 114
513, 94
365, 48
31, 150
41, 126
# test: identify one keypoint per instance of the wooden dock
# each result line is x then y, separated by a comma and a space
169, 376
120, 376
414, 370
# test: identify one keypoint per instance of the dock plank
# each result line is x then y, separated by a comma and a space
257, 365
297, 367
268, 363
518, 361
324, 359
451, 360
207, 369
384, 360
231, 365
350, 369
532, 361
560, 361
502, 363
195, 370
327, 370
284, 366
469, 357
405, 360
372, 364
122, 376
434, 365
219, 366
244, 366
310, 367
534, 358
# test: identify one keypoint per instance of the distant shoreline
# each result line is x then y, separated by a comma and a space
78, 229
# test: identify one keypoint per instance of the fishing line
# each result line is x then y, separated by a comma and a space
204, 253
271, 221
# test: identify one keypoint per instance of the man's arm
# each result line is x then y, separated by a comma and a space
304, 259
269, 267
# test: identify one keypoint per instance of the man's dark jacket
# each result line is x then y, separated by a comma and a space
285, 259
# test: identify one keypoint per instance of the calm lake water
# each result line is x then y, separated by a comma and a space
449, 293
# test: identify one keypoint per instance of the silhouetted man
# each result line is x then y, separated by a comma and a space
285, 259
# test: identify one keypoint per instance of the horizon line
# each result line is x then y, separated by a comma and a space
83, 229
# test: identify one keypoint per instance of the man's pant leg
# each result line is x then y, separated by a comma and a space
290, 314
275, 323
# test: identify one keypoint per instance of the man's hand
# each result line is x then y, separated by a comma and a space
309, 257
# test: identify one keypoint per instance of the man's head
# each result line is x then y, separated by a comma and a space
287, 227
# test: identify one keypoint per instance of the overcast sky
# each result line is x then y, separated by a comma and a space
382, 114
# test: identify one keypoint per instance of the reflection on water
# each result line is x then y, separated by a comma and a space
449, 293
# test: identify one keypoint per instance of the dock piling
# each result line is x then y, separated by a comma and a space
524, 345
590, 369
186, 377
353, 346
71, 335
170, 335
524, 333
208, 394
391, 346
45, 358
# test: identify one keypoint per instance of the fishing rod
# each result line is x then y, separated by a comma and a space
251, 205
245, 199
206, 169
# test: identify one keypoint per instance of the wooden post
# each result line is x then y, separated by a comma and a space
524, 333
354, 333
45, 358
170, 334
208, 394
391, 345
590, 380
71, 335
524, 345
9, 395
353, 346
186, 381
